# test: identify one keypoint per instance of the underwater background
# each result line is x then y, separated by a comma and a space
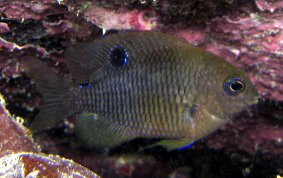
248, 33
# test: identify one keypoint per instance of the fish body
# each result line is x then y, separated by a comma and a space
141, 84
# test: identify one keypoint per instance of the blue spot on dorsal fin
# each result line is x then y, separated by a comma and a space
188, 145
118, 56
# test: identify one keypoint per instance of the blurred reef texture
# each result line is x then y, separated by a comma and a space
20, 157
248, 33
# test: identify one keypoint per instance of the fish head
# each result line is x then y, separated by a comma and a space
225, 90
220, 92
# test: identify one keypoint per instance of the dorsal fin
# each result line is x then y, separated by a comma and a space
89, 61
83, 62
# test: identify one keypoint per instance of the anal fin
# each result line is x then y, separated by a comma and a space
171, 145
99, 132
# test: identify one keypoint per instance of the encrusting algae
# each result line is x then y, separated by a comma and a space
140, 85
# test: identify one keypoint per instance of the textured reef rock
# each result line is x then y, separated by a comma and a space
248, 33
13, 137
174, 11
26, 164
254, 43
261, 133
20, 157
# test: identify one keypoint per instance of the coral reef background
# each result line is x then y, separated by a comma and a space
248, 33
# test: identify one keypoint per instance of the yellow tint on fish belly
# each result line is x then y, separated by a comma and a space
101, 133
140, 85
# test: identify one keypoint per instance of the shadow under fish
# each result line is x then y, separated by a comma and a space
140, 85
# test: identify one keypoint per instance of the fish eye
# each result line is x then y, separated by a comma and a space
234, 86
118, 56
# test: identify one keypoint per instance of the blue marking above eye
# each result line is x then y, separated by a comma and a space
234, 86
188, 145
82, 85
118, 56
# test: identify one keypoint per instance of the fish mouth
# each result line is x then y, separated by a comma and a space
254, 101
251, 102
247, 108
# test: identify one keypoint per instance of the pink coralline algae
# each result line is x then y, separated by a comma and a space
122, 19
20, 157
26, 164
270, 6
250, 35
250, 134
13, 137
22, 9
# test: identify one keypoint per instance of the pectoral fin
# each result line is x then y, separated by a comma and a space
99, 132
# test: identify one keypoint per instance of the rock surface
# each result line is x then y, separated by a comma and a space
20, 157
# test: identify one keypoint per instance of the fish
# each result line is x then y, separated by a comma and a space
144, 84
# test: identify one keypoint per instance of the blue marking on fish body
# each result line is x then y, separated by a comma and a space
126, 58
85, 85
188, 145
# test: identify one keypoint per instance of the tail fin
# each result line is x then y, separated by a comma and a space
54, 90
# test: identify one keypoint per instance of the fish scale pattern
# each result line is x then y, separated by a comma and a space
136, 100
